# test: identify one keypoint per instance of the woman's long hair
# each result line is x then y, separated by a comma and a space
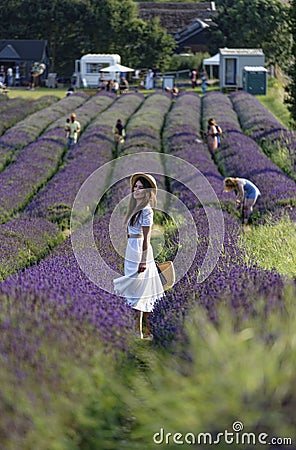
134, 210
211, 123
230, 183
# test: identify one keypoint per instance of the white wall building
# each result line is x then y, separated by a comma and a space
232, 63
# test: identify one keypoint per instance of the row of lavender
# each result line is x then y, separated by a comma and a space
143, 136
231, 281
94, 149
54, 302
7, 103
38, 161
33, 165
56, 292
25, 242
27, 130
258, 123
54, 321
240, 156
139, 119
17, 109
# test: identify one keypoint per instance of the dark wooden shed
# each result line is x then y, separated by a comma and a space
22, 54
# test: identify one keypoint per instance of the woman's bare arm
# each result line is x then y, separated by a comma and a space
146, 241
241, 193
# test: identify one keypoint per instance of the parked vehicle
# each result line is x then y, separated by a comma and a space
88, 69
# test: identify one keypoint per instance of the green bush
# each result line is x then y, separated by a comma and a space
179, 62
226, 374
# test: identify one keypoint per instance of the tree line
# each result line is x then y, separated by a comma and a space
75, 27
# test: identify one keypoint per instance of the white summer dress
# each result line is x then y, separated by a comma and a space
141, 290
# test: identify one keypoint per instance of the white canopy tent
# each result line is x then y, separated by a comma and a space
213, 61
117, 68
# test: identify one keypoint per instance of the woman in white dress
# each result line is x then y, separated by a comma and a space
141, 284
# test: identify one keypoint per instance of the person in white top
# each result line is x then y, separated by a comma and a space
9, 76
115, 88
73, 129
141, 284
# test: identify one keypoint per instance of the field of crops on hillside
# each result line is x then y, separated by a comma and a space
73, 374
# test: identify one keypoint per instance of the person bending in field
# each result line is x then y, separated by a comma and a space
247, 194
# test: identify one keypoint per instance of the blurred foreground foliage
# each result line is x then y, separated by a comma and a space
225, 374
81, 398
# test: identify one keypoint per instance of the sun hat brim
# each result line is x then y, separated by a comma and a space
148, 177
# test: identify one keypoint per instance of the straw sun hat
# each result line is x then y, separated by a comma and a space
148, 177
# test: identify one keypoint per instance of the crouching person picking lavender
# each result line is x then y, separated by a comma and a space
247, 194
140, 285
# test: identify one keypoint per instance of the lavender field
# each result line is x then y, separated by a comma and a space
73, 374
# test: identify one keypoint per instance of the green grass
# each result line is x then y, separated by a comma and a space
23, 92
272, 246
274, 101
279, 153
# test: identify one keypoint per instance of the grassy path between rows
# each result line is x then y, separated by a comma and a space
274, 102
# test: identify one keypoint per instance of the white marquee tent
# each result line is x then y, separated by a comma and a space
213, 61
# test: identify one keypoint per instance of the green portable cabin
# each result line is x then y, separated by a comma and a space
255, 80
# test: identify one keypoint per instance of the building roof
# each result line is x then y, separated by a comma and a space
255, 69
24, 49
213, 61
191, 30
241, 51
8, 52
177, 16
